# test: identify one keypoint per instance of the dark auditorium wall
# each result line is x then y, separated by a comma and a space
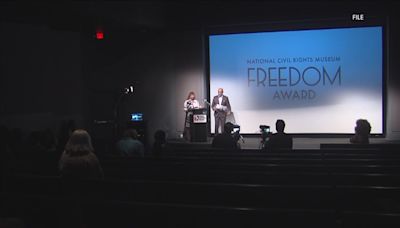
40, 81
393, 79
163, 66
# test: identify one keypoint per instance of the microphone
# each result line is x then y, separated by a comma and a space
206, 102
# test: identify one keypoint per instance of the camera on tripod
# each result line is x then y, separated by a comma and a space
234, 130
265, 131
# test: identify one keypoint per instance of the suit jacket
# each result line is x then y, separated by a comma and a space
225, 102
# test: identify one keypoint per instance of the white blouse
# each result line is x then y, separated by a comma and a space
191, 104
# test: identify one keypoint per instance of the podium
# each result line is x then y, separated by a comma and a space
198, 125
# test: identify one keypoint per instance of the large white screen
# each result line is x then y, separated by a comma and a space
318, 81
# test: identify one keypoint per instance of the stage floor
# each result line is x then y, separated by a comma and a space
251, 142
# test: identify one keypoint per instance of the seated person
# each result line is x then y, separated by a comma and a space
279, 140
160, 143
362, 131
225, 140
129, 145
78, 160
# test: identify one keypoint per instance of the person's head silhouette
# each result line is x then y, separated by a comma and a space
363, 127
160, 137
131, 133
80, 143
362, 131
280, 126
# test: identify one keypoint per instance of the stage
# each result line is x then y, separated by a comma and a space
252, 142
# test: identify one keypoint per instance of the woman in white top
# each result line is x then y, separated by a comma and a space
190, 104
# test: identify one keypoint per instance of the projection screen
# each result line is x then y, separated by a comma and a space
316, 80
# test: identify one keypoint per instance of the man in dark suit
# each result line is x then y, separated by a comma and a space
279, 140
222, 108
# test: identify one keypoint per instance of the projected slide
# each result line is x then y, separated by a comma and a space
318, 81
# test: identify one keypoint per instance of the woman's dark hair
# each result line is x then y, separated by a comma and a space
190, 94
79, 143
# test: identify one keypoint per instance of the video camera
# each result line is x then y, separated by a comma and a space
234, 130
265, 132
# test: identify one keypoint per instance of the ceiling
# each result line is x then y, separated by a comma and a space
161, 15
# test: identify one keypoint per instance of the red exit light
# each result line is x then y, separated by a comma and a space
99, 35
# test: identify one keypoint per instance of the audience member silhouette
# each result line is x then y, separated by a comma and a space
64, 132
279, 140
48, 141
362, 131
44, 153
129, 145
160, 143
12, 222
78, 160
225, 140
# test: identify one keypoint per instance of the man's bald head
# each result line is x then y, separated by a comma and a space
220, 91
